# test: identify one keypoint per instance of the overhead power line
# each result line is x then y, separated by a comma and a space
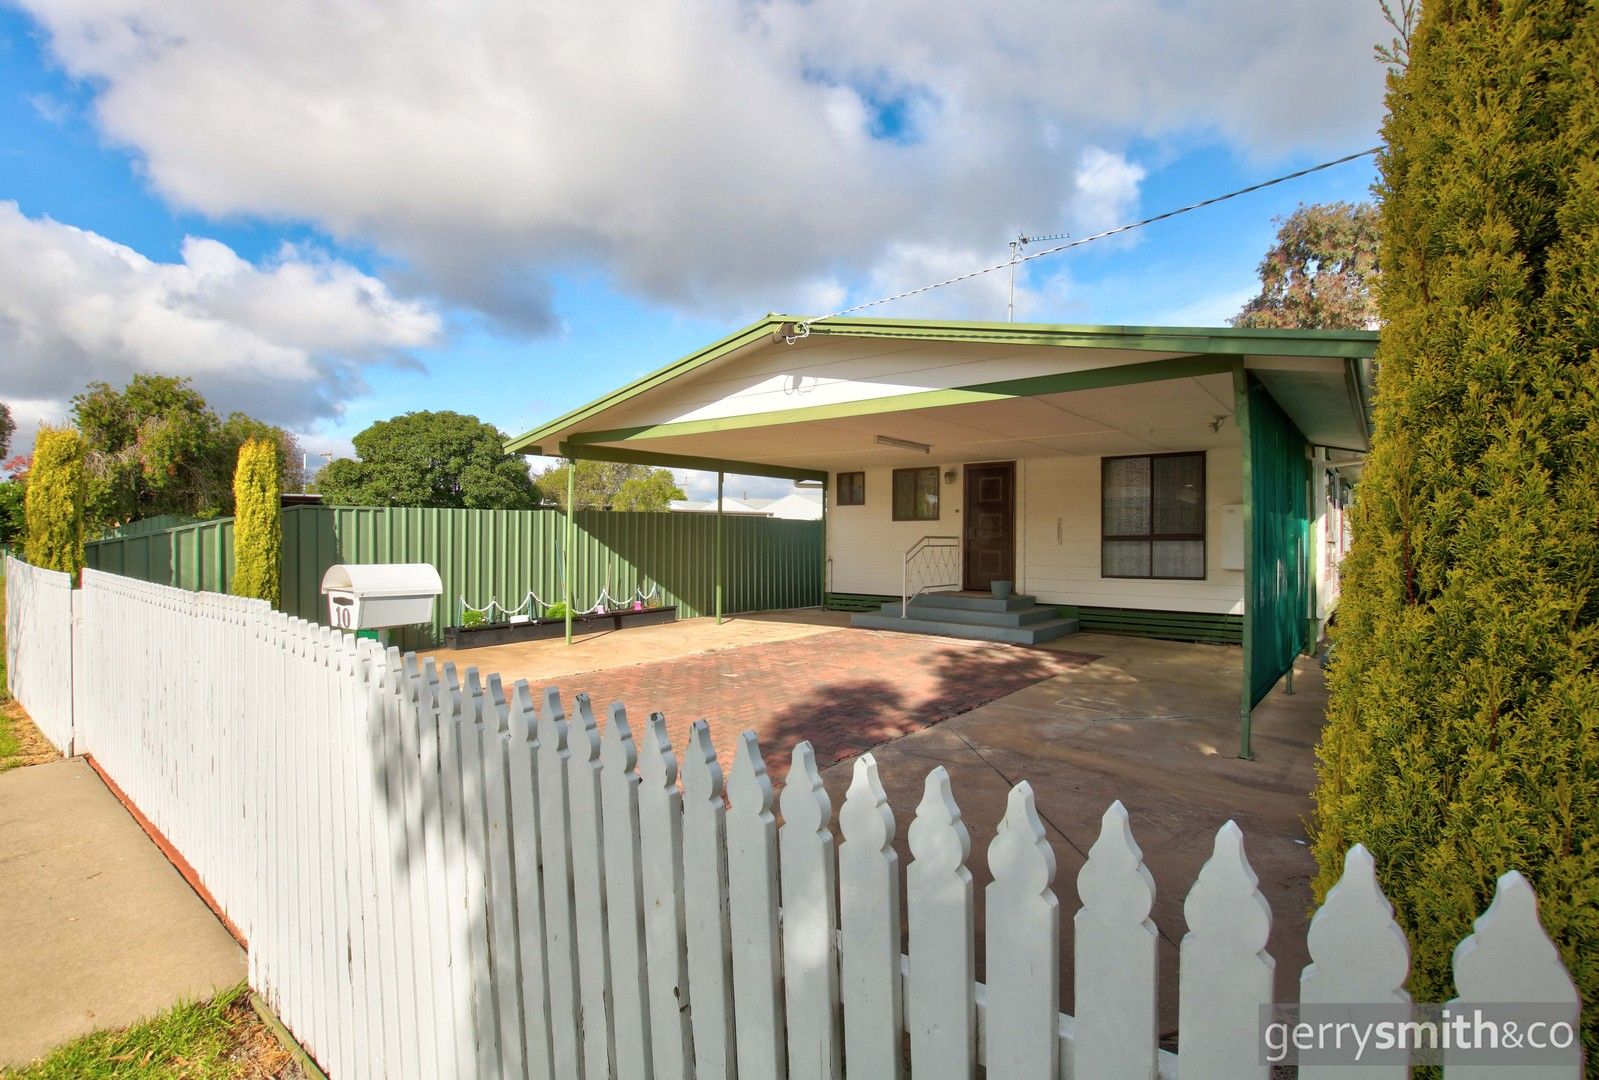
804, 328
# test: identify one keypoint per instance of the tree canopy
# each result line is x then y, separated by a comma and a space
8, 428
1461, 737
1321, 274
156, 447
439, 459
606, 485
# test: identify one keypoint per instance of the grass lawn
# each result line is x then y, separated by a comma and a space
220, 1039
20, 741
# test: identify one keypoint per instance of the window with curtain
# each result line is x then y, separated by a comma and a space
916, 494
852, 489
1153, 516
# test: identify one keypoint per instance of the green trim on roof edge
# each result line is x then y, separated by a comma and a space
1182, 367
683, 461
1229, 341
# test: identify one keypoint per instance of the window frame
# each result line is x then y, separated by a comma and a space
1152, 537
838, 489
893, 493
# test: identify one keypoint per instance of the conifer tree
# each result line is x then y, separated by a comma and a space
1463, 727
258, 522
53, 505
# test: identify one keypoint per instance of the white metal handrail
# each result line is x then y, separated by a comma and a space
933, 557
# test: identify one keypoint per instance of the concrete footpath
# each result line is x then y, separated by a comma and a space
97, 930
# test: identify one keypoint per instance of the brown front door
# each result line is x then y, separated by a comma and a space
990, 525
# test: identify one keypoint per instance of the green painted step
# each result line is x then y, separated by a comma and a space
1031, 634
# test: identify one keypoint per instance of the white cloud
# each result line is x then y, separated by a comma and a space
716, 155
286, 341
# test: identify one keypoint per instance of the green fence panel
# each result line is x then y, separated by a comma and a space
502, 555
1279, 589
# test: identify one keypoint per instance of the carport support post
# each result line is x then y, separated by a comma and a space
1241, 420
566, 563
720, 477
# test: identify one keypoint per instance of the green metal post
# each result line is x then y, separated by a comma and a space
824, 545
1241, 419
720, 476
566, 563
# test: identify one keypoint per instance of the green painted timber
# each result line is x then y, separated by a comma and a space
1170, 625
835, 601
501, 554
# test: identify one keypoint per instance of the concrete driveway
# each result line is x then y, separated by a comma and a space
1154, 724
1086, 720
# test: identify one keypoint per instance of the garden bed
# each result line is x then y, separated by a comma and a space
503, 633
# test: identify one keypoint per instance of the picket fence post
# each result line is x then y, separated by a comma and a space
869, 964
810, 945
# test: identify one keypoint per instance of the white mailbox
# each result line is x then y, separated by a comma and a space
374, 595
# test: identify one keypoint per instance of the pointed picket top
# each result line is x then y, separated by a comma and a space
866, 818
1508, 957
472, 700
617, 752
1225, 902
748, 786
1115, 878
937, 836
702, 773
1019, 855
393, 668
450, 702
805, 803
1357, 951
551, 727
412, 670
657, 762
583, 737
521, 718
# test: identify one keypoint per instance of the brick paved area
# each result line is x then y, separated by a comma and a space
846, 691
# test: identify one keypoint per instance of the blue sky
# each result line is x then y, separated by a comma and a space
328, 221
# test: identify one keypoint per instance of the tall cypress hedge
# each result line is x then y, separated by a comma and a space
258, 522
53, 504
1463, 728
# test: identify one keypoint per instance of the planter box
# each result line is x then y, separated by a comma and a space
503, 633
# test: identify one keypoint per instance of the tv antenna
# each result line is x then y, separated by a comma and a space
1016, 246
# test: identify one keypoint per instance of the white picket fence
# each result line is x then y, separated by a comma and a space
440, 877
39, 648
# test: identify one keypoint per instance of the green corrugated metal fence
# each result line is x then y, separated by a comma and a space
501, 554
1279, 585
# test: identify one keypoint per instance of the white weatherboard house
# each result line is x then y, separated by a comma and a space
1175, 481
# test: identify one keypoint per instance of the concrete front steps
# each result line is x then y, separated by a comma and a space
1018, 620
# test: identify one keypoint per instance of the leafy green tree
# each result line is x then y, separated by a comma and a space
1463, 727
53, 504
607, 485
430, 459
258, 521
156, 447
13, 512
8, 428
1321, 274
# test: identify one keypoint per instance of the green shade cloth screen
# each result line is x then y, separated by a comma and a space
1279, 589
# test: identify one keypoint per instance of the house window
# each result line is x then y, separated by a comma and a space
1153, 516
852, 489
916, 494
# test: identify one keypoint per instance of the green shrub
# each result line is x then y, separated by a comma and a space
1463, 727
53, 505
556, 610
258, 522
473, 618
